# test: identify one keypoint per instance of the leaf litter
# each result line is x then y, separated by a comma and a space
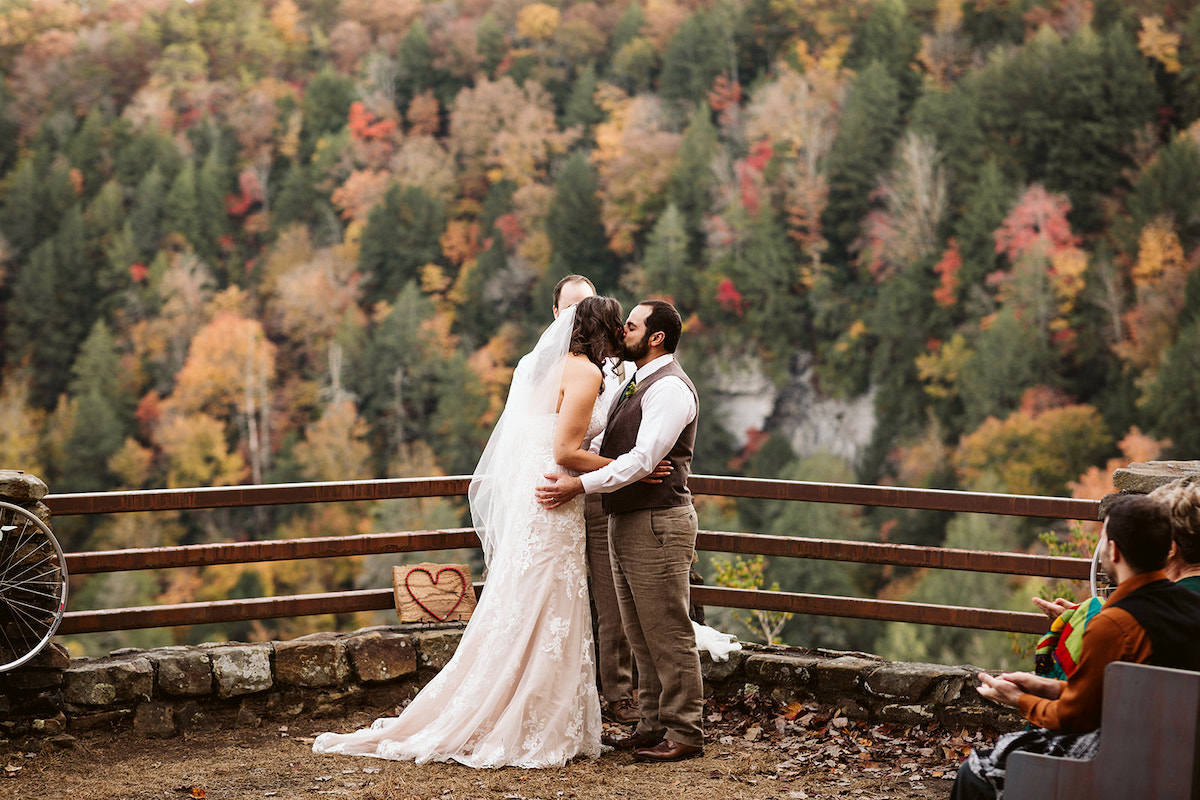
755, 748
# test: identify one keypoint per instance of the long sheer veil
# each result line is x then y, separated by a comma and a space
496, 496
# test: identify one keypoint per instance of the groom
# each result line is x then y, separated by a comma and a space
651, 533
614, 659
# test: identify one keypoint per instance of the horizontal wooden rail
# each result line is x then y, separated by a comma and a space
252, 495
900, 555
864, 608
118, 619
397, 488
715, 541
203, 555
1016, 505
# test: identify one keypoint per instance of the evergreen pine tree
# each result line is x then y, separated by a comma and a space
490, 42
860, 155
402, 235
581, 109
667, 265
890, 36
326, 108
294, 202
180, 210
691, 183
415, 62
698, 52
576, 231
213, 182
146, 212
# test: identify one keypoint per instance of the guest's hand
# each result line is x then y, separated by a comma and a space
1000, 689
1053, 609
1049, 688
659, 473
561, 489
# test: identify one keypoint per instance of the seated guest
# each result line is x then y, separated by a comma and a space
1058, 649
1147, 620
1183, 499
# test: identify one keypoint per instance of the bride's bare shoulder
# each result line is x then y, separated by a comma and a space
579, 368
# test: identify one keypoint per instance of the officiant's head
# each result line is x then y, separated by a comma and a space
652, 330
570, 290
598, 331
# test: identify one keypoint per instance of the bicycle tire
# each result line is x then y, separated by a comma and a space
1098, 580
33, 585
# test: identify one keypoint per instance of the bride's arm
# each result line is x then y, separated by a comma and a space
580, 385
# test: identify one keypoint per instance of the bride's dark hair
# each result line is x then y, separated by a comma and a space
597, 329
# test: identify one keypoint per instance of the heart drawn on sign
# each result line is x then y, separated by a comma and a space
462, 589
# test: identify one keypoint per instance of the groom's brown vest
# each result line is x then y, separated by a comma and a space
620, 436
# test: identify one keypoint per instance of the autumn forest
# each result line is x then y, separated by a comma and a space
263, 241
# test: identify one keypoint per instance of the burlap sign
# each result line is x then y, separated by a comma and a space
433, 592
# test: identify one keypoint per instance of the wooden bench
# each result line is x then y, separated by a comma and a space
1149, 748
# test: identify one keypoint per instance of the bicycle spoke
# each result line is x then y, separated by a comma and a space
28, 575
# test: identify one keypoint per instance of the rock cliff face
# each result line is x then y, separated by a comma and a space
813, 422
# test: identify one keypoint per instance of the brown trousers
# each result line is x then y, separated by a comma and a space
652, 553
614, 661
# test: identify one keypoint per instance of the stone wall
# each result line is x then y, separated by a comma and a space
169, 691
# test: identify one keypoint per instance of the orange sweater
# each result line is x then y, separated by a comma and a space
1112, 635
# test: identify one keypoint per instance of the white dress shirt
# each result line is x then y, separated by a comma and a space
668, 407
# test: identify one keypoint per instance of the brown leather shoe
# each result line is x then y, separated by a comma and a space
631, 742
666, 750
624, 711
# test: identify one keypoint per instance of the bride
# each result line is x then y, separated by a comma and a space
521, 687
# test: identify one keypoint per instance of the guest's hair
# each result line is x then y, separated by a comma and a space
597, 329
665, 319
1141, 528
558, 287
1182, 497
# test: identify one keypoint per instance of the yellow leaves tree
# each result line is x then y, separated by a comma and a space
635, 155
499, 131
226, 377
1159, 44
1036, 450
20, 426
940, 368
285, 18
197, 452
1159, 280
335, 446
538, 22
740, 573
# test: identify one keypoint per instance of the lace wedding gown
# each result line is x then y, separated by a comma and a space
521, 687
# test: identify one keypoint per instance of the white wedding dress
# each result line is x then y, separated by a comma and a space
520, 689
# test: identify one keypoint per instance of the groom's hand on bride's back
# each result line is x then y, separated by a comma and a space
560, 489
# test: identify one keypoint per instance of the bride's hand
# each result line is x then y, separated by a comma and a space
660, 473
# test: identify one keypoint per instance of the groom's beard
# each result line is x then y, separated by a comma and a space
640, 349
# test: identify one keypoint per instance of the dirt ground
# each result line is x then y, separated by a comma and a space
793, 752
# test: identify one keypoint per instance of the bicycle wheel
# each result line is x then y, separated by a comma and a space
1100, 582
33, 585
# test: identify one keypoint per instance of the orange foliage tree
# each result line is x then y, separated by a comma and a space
1037, 449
